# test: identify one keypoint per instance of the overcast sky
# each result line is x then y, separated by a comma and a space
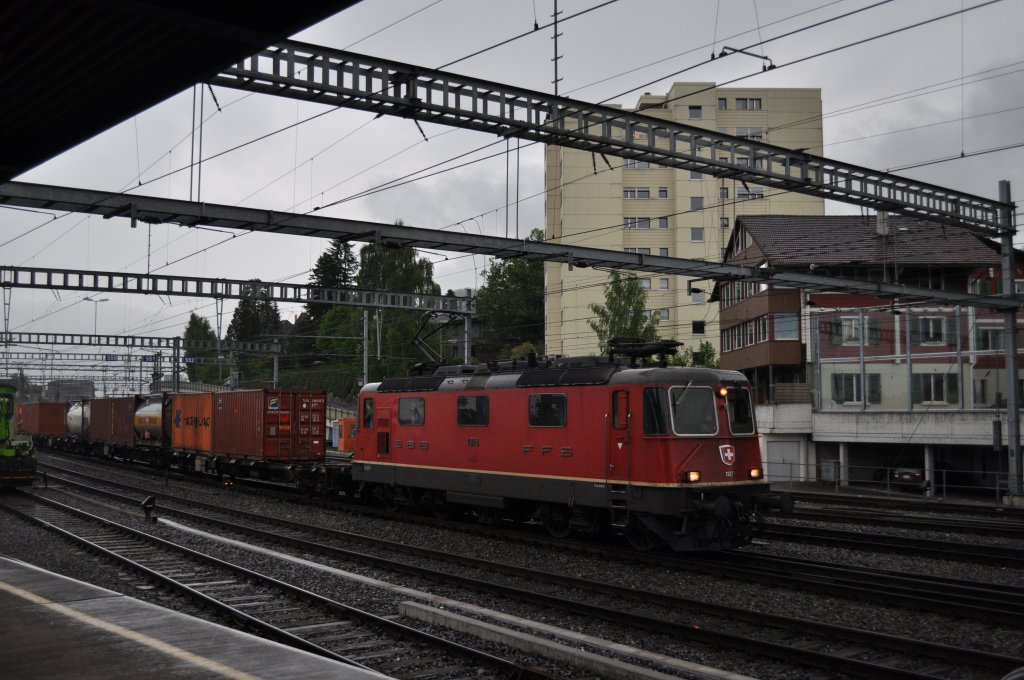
948, 87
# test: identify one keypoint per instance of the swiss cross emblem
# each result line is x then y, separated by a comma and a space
728, 453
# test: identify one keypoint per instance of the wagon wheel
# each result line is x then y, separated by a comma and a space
557, 522
640, 537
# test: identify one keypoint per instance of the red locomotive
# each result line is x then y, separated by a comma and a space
661, 455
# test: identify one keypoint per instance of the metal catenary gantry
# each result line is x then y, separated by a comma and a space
196, 286
164, 210
336, 77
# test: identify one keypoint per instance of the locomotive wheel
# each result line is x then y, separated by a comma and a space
557, 522
640, 537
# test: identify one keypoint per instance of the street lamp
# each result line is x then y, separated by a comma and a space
95, 305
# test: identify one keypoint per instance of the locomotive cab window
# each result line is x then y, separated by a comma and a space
741, 413
411, 411
547, 410
473, 411
655, 411
693, 410
367, 414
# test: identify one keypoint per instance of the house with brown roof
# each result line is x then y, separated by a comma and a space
851, 384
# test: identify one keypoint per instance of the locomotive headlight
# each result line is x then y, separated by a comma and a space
693, 476
755, 473
723, 392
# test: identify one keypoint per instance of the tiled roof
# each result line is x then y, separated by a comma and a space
801, 240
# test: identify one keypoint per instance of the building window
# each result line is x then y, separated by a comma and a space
939, 388
662, 223
645, 284
723, 192
761, 331
637, 222
847, 331
663, 314
636, 192
933, 330
547, 410
846, 388
750, 132
748, 103
663, 252
473, 411
751, 193
634, 164
988, 338
696, 202
697, 296
786, 327
696, 234
850, 329
694, 112
663, 284
723, 222
696, 175
662, 192
723, 103
639, 251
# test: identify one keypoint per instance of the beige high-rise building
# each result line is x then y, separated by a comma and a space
639, 207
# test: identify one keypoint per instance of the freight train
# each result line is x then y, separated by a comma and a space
17, 462
659, 455
269, 434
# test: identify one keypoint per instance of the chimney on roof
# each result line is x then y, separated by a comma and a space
882, 223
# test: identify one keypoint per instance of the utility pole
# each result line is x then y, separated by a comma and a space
1010, 334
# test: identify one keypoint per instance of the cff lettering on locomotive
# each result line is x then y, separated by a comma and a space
660, 455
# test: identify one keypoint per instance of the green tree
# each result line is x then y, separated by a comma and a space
510, 305
704, 356
383, 267
256, 318
622, 314
336, 267
199, 330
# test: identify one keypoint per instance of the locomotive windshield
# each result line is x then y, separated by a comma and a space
693, 410
689, 410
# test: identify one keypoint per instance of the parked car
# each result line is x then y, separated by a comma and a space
905, 477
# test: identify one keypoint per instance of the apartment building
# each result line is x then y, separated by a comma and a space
627, 205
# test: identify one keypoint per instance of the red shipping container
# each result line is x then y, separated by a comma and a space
275, 424
192, 421
42, 418
112, 420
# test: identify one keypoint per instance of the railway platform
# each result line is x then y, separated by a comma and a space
55, 627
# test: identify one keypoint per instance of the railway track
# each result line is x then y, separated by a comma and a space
944, 507
1008, 527
850, 651
904, 545
267, 606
